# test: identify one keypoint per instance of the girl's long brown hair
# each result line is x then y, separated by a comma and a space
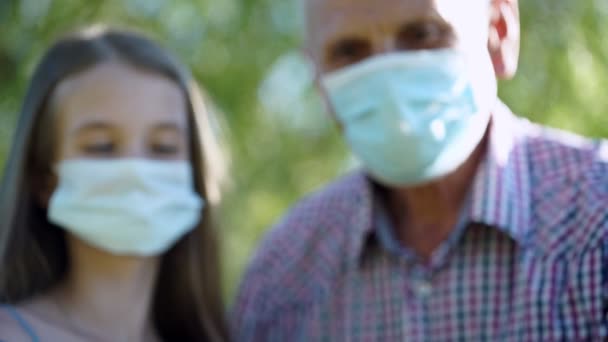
188, 298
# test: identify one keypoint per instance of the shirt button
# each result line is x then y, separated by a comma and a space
423, 288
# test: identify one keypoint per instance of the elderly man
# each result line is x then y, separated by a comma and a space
467, 223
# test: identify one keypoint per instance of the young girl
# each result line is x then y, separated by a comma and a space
106, 231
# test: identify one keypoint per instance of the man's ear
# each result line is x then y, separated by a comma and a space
503, 40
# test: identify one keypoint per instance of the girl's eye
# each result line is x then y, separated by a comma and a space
101, 148
165, 149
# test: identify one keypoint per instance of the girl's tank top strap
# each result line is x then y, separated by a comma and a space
13, 312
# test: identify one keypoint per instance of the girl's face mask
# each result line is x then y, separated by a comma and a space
126, 206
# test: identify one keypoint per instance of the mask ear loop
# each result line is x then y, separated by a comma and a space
324, 94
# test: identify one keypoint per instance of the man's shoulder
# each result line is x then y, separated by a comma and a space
555, 154
329, 206
563, 161
319, 218
300, 255
569, 188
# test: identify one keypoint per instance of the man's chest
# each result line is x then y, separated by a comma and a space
489, 289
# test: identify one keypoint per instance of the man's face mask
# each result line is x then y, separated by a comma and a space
413, 117
126, 206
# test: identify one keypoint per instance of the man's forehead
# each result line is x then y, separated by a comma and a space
316, 8
319, 6
323, 16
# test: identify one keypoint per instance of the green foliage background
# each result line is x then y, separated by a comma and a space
245, 54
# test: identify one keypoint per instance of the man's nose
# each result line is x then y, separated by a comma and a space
389, 45
384, 44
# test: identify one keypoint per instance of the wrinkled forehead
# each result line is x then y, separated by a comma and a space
326, 18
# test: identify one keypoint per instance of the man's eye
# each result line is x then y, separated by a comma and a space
102, 148
424, 36
348, 51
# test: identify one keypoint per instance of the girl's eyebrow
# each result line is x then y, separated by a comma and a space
92, 125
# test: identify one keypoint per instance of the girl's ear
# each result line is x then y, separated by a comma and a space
45, 186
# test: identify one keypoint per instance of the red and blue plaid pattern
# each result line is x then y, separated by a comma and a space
529, 264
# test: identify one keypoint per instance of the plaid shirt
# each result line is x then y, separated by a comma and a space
529, 262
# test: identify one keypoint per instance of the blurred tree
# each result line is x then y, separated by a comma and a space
244, 53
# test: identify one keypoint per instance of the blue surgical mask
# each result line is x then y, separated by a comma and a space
126, 206
410, 117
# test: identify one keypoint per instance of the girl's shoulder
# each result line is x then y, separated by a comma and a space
13, 325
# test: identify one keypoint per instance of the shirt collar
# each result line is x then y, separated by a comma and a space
500, 195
